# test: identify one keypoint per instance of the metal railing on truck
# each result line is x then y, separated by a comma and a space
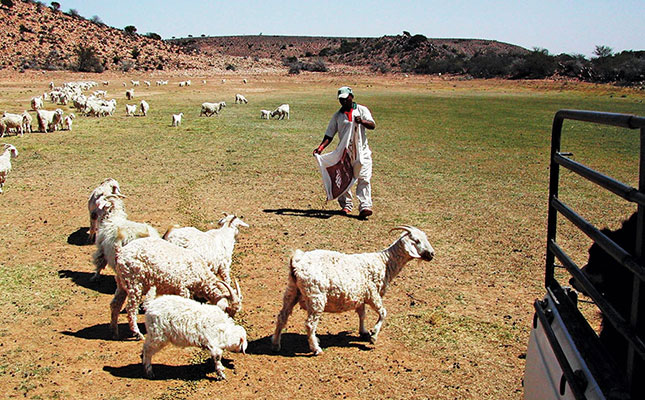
627, 327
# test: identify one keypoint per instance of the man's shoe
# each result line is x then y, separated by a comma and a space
366, 212
346, 211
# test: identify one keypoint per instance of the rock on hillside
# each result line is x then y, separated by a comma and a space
35, 36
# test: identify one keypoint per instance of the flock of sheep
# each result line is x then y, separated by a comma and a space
165, 273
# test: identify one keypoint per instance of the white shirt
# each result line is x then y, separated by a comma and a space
339, 123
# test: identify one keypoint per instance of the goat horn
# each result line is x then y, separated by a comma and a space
237, 289
228, 287
402, 228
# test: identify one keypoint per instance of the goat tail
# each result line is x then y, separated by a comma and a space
296, 256
170, 228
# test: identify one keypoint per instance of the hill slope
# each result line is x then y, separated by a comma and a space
34, 36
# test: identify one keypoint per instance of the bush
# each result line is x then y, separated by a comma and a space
96, 20
135, 53
126, 65
7, 3
489, 65
153, 35
87, 60
55, 5
538, 64
73, 12
231, 67
130, 29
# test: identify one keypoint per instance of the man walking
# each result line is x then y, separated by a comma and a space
341, 122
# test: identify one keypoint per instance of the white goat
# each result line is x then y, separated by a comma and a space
215, 246
323, 280
281, 112
27, 120
11, 121
5, 162
48, 121
176, 119
147, 83
144, 107
187, 323
208, 109
129, 94
112, 220
130, 109
67, 121
240, 99
37, 103
108, 186
148, 262
265, 114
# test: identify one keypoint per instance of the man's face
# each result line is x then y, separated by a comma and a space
347, 102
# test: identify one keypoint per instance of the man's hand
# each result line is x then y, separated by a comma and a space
318, 150
358, 119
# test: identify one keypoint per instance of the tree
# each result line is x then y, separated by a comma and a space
55, 5
73, 12
130, 29
153, 35
603, 51
96, 19
87, 59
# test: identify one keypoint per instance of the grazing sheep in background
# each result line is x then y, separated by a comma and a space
147, 83
105, 83
113, 219
203, 82
281, 112
329, 281
148, 262
5, 162
240, 99
244, 81
144, 107
37, 103
615, 283
27, 120
223, 80
67, 121
187, 323
176, 119
107, 187
129, 94
215, 246
135, 83
265, 114
48, 121
11, 121
130, 109
208, 109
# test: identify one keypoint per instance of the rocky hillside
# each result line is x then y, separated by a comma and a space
35, 36
387, 53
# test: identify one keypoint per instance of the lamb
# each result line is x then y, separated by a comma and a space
265, 114
130, 109
208, 109
129, 94
240, 99
147, 83
151, 261
106, 83
134, 83
27, 120
11, 121
323, 280
48, 121
176, 119
37, 103
108, 186
5, 162
144, 107
67, 121
185, 322
215, 246
112, 218
281, 111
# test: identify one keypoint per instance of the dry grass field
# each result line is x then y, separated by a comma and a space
466, 161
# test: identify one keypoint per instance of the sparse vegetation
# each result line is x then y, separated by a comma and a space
7, 3
130, 29
88, 60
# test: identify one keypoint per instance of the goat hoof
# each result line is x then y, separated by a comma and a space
373, 339
318, 351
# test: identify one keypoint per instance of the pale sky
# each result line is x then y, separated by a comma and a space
573, 27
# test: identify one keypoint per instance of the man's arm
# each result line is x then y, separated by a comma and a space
325, 142
367, 124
